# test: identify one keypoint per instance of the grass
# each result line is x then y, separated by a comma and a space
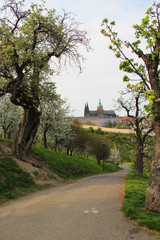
14, 182
134, 202
71, 167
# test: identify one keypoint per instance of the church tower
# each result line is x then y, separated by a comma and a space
86, 110
100, 109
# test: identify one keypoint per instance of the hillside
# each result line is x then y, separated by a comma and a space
44, 168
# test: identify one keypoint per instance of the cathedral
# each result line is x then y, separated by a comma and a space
100, 113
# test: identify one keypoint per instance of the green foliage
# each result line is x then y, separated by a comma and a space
134, 202
150, 96
28, 41
121, 141
91, 129
71, 167
99, 148
109, 124
99, 131
126, 79
149, 32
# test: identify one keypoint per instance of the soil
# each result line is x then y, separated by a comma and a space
38, 170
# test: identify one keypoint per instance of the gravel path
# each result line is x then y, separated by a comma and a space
85, 210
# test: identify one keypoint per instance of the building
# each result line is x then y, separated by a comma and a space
100, 113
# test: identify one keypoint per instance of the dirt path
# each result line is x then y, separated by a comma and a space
85, 210
104, 129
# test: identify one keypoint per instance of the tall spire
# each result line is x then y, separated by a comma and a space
86, 110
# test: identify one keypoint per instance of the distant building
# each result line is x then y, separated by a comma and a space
99, 112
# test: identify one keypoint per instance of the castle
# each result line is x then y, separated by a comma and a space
99, 113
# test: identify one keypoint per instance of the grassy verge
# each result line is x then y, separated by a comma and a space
134, 202
71, 167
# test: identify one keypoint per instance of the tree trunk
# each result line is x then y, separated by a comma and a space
45, 138
56, 143
5, 133
67, 152
26, 133
153, 190
139, 162
98, 160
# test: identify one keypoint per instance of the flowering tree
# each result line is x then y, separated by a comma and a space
9, 117
29, 40
139, 121
147, 70
54, 124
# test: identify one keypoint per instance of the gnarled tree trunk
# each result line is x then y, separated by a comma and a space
139, 161
26, 133
153, 190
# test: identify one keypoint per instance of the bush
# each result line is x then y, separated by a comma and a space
91, 129
99, 131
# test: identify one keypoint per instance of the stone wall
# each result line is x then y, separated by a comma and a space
101, 122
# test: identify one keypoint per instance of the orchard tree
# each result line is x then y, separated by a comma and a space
115, 155
139, 121
10, 115
54, 124
72, 137
145, 65
29, 40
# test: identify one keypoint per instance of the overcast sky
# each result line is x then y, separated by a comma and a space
101, 77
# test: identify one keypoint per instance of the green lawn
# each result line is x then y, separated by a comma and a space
134, 202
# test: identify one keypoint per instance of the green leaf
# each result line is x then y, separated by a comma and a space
126, 79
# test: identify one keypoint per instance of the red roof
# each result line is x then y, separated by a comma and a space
124, 118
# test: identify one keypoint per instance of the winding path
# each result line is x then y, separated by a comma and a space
85, 210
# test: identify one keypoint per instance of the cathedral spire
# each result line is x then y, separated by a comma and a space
86, 110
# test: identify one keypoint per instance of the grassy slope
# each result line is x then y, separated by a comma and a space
134, 202
14, 182
71, 167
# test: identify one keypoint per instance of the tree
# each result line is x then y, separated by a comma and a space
81, 141
9, 116
98, 149
115, 155
29, 40
72, 138
109, 124
139, 121
54, 124
147, 70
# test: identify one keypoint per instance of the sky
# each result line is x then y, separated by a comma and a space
101, 77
